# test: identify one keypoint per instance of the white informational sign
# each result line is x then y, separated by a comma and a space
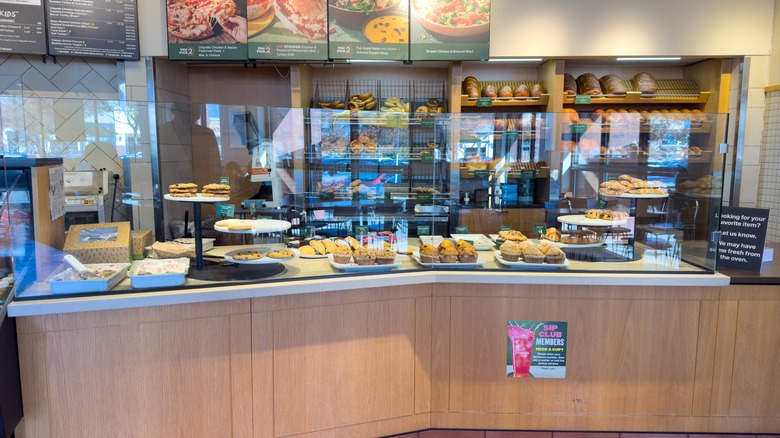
56, 192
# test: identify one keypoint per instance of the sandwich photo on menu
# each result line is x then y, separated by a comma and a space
305, 17
206, 21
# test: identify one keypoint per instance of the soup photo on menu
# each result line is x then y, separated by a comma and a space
369, 29
450, 29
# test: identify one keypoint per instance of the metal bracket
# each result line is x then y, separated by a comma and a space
723, 148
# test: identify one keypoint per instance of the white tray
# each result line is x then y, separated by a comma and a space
480, 241
197, 198
637, 196
523, 265
574, 245
180, 267
355, 267
258, 226
90, 284
315, 256
261, 261
582, 221
416, 257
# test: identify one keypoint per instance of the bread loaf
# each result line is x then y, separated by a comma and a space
471, 86
489, 91
569, 84
521, 91
645, 83
612, 84
537, 90
588, 83
505, 91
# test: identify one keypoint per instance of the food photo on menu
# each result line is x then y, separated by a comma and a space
206, 21
287, 21
369, 21
453, 29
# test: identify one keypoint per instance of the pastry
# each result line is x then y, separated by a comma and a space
247, 255
467, 254
521, 91
240, 226
307, 250
510, 251
593, 213
645, 83
445, 244
385, 257
505, 91
511, 235
532, 254
489, 91
318, 246
364, 256
553, 235
537, 90
448, 254
342, 254
352, 242
329, 245
569, 84
554, 256
429, 253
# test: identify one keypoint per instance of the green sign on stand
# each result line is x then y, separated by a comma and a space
426, 157
227, 210
462, 230
540, 229
224, 180
481, 174
602, 204
511, 136
528, 174
361, 230
423, 230
428, 122
424, 198
252, 208
484, 102
579, 128
505, 228
582, 99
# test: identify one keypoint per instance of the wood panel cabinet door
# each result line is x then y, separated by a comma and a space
491, 221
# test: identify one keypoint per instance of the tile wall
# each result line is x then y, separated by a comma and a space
769, 178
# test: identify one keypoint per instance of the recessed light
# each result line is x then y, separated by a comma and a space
652, 58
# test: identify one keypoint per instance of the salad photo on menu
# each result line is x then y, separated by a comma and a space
206, 29
288, 29
450, 29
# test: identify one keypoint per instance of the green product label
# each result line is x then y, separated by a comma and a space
505, 228
426, 157
227, 210
582, 99
540, 229
528, 174
462, 230
481, 174
602, 204
511, 136
325, 196
484, 102
579, 128
305, 232
428, 122
423, 230
264, 217
361, 230
252, 208
224, 180
424, 198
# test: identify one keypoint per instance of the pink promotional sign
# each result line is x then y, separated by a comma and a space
536, 349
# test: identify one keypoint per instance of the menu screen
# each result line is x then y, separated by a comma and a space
369, 29
93, 28
288, 29
450, 30
207, 29
21, 27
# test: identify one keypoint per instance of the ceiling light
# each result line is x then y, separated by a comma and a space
655, 58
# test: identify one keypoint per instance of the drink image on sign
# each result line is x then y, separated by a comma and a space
522, 341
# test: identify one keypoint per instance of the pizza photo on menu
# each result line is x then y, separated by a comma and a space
218, 21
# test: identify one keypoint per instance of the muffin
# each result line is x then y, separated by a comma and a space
544, 247
342, 254
445, 244
385, 257
449, 254
533, 255
510, 251
554, 256
463, 244
429, 253
467, 254
364, 256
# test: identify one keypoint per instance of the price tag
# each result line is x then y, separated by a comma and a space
361, 230
511, 136
252, 208
426, 157
505, 228
424, 198
528, 174
227, 210
582, 99
602, 204
462, 230
484, 102
540, 229
579, 128
224, 180
423, 230
428, 122
481, 174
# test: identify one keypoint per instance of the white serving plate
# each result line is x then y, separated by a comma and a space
261, 261
573, 245
174, 277
315, 256
480, 241
258, 226
523, 265
352, 266
197, 198
90, 284
416, 257
582, 221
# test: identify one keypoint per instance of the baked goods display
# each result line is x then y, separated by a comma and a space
502, 90
607, 215
394, 105
629, 185
281, 254
257, 256
216, 191
552, 234
705, 185
365, 101
183, 190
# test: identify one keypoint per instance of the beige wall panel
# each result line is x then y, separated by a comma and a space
440, 352
422, 364
488, 221
151, 380
241, 375
263, 374
105, 318
35, 399
751, 292
723, 366
705, 356
755, 390
285, 302
343, 365
595, 423
624, 357
267, 86
577, 292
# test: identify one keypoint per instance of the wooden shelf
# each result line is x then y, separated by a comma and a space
636, 98
501, 102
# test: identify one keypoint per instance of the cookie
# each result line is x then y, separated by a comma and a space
281, 254
248, 255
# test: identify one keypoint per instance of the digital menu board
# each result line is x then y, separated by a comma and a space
369, 29
93, 28
449, 30
207, 30
22, 27
288, 29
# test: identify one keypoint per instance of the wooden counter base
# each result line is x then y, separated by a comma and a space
382, 361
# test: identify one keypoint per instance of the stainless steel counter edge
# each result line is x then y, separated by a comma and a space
256, 290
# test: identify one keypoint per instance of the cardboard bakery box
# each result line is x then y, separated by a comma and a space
100, 243
141, 239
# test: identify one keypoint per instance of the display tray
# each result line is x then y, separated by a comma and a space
159, 272
582, 221
416, 257
197, 198
261, 261
637, 196
480, 241
574, 245
67, 281
352, 266
315, 256
258, 226
523, 265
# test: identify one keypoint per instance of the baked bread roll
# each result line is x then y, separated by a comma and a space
612, 84
569, 84
537, 90
489, 91
471, 86
588, 83
505, 91
645, 83
521, 91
